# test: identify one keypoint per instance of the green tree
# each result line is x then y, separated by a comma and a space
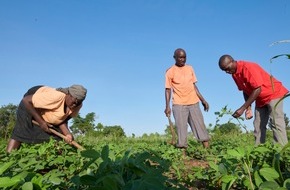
81, 125
114, 131
227, 128
7, 119
100, 127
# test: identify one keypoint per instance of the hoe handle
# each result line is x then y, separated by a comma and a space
173, 141
78, 146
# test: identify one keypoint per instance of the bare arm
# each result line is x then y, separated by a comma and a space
248, 112
64, 129
203, 101
248, 101
167, 101
27, 101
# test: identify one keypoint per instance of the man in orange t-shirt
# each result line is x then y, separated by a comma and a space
260, 87
180, 79
46, 106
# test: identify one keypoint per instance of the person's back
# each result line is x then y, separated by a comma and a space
250, 75
42, 106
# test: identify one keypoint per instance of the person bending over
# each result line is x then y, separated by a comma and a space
260, 87
46, 106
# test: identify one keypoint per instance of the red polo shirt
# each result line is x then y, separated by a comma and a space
250, 76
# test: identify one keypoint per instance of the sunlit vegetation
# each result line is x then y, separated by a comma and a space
112, 161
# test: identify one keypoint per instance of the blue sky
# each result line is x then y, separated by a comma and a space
119, 50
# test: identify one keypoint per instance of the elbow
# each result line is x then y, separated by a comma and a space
258, 91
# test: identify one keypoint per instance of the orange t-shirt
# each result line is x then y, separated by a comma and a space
50, 104
181, 80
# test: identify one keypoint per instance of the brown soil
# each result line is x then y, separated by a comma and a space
195, 163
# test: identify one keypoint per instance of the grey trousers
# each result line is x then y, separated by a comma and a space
192, 115
276, 122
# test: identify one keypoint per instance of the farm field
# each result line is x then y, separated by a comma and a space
232, 162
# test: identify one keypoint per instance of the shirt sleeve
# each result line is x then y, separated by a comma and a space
194, 78
168, 79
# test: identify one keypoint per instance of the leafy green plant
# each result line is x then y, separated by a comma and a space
226, 111
280, 55
146, 163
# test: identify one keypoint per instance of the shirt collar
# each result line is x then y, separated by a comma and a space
239, 67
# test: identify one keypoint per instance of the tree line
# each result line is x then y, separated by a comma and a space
82, 126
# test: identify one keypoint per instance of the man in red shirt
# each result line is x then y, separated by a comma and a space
260, 87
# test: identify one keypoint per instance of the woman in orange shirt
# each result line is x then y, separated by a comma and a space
47, 106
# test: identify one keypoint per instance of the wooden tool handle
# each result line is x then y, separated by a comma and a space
78, 146
173, 141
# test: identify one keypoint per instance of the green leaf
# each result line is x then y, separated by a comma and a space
281, 99
55, 180
149, 182
261, 149
27, 186
269, 174
247, 182
105, 153
286, 183
235, 153
213, 165
90, 153
271, 185
5, 166
177, 170
88, 180
76, 180
223, 169
8, 182
41, 150
287, 55
228, 178
276, 165
55, 177
118, 178
285, 147
37, 179
257, 178
109, 183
